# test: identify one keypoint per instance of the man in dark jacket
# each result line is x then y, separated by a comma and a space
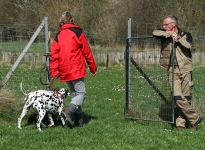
182, 69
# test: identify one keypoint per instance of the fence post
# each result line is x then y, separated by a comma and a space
47, 55
108, 61
127, 66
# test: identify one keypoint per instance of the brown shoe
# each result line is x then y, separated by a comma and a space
179, 128
195, 126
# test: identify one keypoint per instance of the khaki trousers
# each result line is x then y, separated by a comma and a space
182, 97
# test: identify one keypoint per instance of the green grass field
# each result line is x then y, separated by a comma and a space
105, 128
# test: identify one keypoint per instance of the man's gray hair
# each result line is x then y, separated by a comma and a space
173, 18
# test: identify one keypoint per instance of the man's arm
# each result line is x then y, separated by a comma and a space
160, 33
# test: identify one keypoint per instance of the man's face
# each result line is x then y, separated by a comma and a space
168, 24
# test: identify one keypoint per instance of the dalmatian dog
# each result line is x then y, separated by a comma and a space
44, 101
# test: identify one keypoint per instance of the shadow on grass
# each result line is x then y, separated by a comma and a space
87, 118
32, 119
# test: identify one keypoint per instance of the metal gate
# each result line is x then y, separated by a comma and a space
148, 93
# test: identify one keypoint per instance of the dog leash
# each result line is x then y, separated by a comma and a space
62, 96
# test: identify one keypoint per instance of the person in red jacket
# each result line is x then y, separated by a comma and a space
69, 53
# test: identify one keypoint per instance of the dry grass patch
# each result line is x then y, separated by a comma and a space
9, 106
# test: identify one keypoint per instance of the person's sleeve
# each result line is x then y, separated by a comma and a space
160, 33
87, 53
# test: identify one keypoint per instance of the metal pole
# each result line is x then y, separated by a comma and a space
47, 55
173, 60
21, 55
128, 57
127, 69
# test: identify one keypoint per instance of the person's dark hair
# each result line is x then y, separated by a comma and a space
66, 18
173, 18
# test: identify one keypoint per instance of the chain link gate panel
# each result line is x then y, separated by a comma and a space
148, 94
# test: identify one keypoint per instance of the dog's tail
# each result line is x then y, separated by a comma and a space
21, 88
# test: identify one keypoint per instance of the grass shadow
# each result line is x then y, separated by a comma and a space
32, 118
87, 118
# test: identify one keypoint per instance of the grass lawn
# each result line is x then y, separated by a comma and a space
105, 128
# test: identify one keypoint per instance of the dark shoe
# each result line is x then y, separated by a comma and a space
67, 119
195, 126
78, 120
67, 115
179, 128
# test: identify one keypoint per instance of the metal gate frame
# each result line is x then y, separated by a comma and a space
129, 61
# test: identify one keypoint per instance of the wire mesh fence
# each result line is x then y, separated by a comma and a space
21, 64
149, 95
144, 75
146, 29
28, 71
13, 39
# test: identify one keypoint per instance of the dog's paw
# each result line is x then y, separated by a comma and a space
51, 125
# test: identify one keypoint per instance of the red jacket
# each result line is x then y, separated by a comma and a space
69, 51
